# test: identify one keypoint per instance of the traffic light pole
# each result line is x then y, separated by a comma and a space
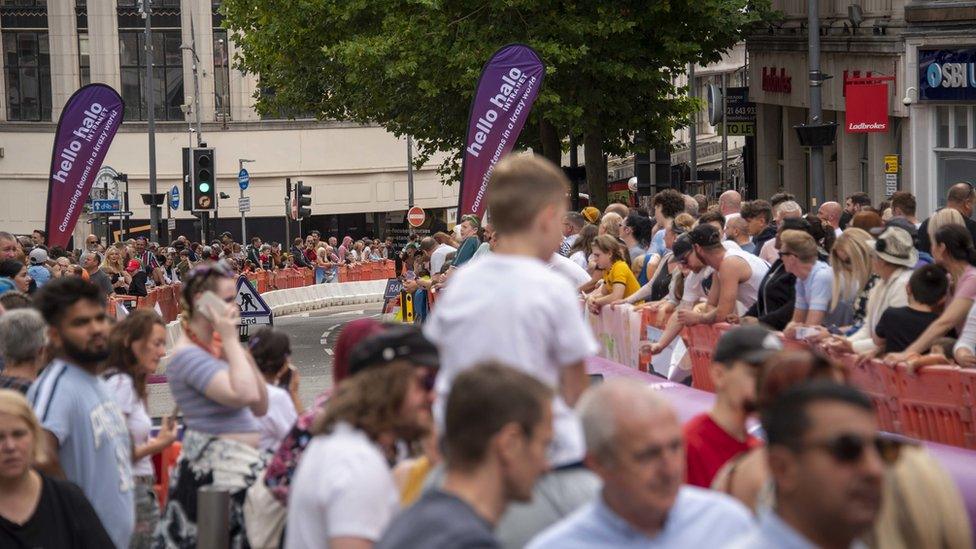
288, 210
151, 105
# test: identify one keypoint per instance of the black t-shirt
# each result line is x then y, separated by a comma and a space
439, 520
63, 519
900, 326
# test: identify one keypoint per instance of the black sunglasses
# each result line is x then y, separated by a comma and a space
850, 448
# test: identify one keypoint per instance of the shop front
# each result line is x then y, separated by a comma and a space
943, 118
856, 162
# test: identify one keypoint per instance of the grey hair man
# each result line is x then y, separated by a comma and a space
9, 247
729, 203
635, 445
23, 336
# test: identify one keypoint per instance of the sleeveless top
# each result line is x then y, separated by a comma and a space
749, 290
642, 275
661, 284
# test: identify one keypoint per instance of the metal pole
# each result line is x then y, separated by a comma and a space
196, 83
126, 208
151, 106
574, 163
725, 134
288, 210
213, 518
816, 106
409, 172
693, 128
240, 163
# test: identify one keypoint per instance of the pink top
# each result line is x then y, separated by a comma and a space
965, 289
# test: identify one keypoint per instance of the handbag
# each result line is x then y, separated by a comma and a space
264, 516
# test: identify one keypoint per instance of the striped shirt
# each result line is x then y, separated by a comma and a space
189, 372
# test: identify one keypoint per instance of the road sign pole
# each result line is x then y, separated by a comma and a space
240, 168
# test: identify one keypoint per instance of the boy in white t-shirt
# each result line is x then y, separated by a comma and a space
510, 307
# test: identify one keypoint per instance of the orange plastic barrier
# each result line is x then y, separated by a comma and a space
167, 461
880, 383
936, 405
701, 341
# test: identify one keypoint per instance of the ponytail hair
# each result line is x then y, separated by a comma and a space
958, 242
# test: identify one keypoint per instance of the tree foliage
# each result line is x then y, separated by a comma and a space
412, 65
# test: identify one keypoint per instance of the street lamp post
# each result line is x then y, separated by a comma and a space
816, 105
146, 8
240, 168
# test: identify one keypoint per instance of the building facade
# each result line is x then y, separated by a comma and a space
358, 174
859, 39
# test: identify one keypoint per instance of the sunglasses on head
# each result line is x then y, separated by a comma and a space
850, 448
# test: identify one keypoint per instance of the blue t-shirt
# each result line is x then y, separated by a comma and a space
93, 442
657, 243
39, 274
813, 294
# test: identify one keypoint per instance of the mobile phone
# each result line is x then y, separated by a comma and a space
209, 305
285, 380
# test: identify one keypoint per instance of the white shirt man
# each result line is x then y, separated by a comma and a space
439, 256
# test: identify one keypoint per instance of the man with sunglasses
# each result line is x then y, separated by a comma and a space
825, 459
715, 437
634, 444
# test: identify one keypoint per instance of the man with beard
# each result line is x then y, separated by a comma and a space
87, 439
715, 437
824, 459
498, 426
343, 493
633, 442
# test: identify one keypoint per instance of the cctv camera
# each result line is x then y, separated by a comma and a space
907, 100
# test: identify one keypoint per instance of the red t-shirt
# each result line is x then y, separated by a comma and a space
708, 447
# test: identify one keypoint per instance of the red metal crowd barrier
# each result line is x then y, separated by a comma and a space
935, 403
374, 270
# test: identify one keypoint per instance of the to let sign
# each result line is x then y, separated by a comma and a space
740, 113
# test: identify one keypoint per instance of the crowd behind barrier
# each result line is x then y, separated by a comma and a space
166, 299
933, 404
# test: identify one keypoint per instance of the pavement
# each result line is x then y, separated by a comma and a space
313, 337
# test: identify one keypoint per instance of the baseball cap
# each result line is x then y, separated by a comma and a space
591, 214
752, 344
396, 342
133, 266
895, 245
38, 256
682, 247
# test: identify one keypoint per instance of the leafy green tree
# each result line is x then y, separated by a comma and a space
412, 65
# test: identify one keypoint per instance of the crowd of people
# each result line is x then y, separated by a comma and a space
482, 427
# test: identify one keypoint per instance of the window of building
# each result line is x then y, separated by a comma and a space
955, 153
221, 74
24, 3
167, 74
27, 64
84, 59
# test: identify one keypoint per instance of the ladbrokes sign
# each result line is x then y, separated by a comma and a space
867, 108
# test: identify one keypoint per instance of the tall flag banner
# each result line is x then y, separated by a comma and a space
507, 88
85, 131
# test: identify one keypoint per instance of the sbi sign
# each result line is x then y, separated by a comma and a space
947, 75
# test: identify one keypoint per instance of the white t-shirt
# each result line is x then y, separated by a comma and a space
515, 310
769, 251
136, 418
279, 420
580, 258
576, 275
748, 291
343, 487
693, 291
438, 256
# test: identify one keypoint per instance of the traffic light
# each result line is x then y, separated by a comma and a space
204, 184
303, 200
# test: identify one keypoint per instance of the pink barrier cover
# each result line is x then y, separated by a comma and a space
687, 402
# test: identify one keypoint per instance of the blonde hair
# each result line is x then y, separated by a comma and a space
610, 224
13, 403
799, 243
685, 221
522, 186
114, 267
943, 217
921, 506
854, 242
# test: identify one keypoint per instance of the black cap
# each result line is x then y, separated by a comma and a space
397, 342
750, 344
682, 247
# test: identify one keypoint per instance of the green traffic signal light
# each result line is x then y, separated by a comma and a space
204, 187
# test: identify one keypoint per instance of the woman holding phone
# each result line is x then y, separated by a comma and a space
271, 350
136, 345
217, 385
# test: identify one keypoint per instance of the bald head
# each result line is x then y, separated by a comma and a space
730, 202
604, 408
830, 213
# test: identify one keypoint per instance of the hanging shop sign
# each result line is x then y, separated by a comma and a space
947, 75
867, 105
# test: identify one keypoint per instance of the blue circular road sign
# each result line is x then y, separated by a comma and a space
243, 179
174, 197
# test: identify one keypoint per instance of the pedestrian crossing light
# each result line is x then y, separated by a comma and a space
204, 186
